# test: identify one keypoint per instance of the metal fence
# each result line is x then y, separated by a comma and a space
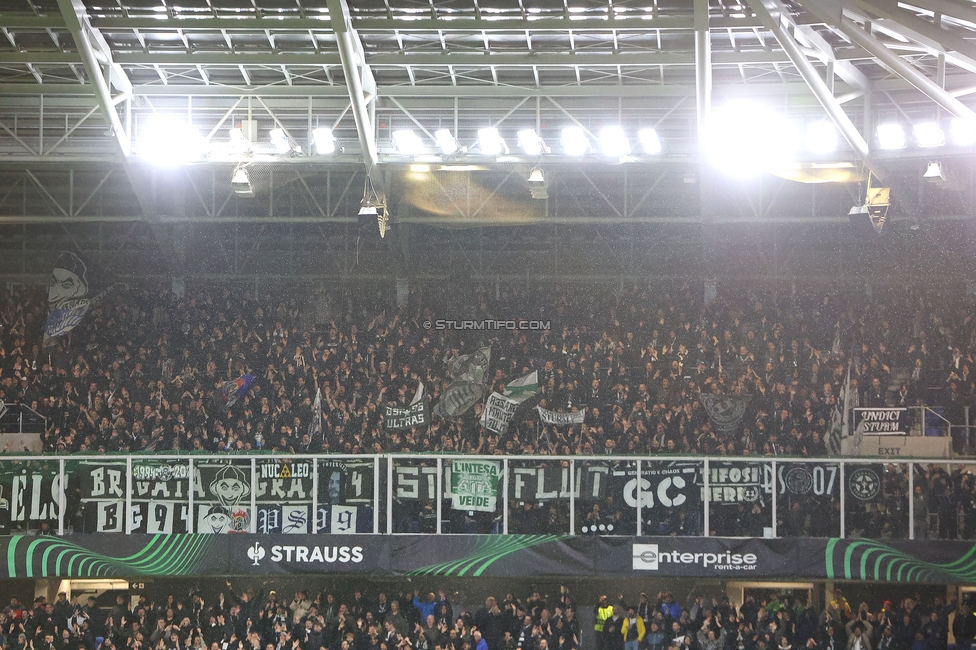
410, 494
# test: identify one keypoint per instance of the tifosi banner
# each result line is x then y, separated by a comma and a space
881, 422
474, 485
123, 556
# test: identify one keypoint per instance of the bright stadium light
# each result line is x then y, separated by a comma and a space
891, 136
280, 141
650, 141
531, 143
238, 141
613, 142
407, 142
744, 139
324, 141
574, 141
821, 137
490, 142
929, 134
168, 141
446, 142
963, 132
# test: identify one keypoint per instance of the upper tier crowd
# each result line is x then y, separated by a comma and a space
410, 620
140, 371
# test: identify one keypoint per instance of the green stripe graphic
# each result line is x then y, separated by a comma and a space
486, 552
54, 557
890, 564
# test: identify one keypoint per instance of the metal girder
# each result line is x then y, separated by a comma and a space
73, 12
843, 69
578, 23
770, 12
589, 59
359, 82
833, 14
703, 65
957, 50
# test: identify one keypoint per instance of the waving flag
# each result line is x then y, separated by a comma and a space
231, 391
523, 388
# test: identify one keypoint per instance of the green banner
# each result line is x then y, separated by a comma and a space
474, 485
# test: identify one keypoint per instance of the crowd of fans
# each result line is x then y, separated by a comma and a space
445, 621
141, 369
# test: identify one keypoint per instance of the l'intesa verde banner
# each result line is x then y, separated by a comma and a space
130, 556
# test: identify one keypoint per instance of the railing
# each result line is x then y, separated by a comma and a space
409, 494
20, 418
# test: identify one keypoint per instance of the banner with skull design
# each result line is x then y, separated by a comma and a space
725, 411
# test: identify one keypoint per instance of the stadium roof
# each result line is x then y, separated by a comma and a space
85, 82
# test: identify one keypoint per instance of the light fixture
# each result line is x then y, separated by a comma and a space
874, 212
933, 172
366, 208
650, 141
613, 142
891, 136
238, 141
168, 141
280, 141
324, 141
574, 141
743, 139
963, 132
531, 143
446, 142
240, 181
537, 184
929, 134
490, 142
821, 137
407, 142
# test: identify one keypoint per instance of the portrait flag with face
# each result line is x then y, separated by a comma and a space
230, 391
69, 295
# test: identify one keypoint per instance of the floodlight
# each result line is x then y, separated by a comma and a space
933, 172
650, 141
490, 142
280, 141
743, 139
238, 141
613, 142
168, 141
963, 132
538, 186
446, 142
531, 143
241, 182
324, 141
575, 142
891, 136
366, 208
821, 137
536, 176
407, 142
929, 134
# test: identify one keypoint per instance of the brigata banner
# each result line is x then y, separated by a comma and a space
131, 556
474, 484
881, 422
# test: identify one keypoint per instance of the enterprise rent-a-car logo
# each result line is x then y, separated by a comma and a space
649, 557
